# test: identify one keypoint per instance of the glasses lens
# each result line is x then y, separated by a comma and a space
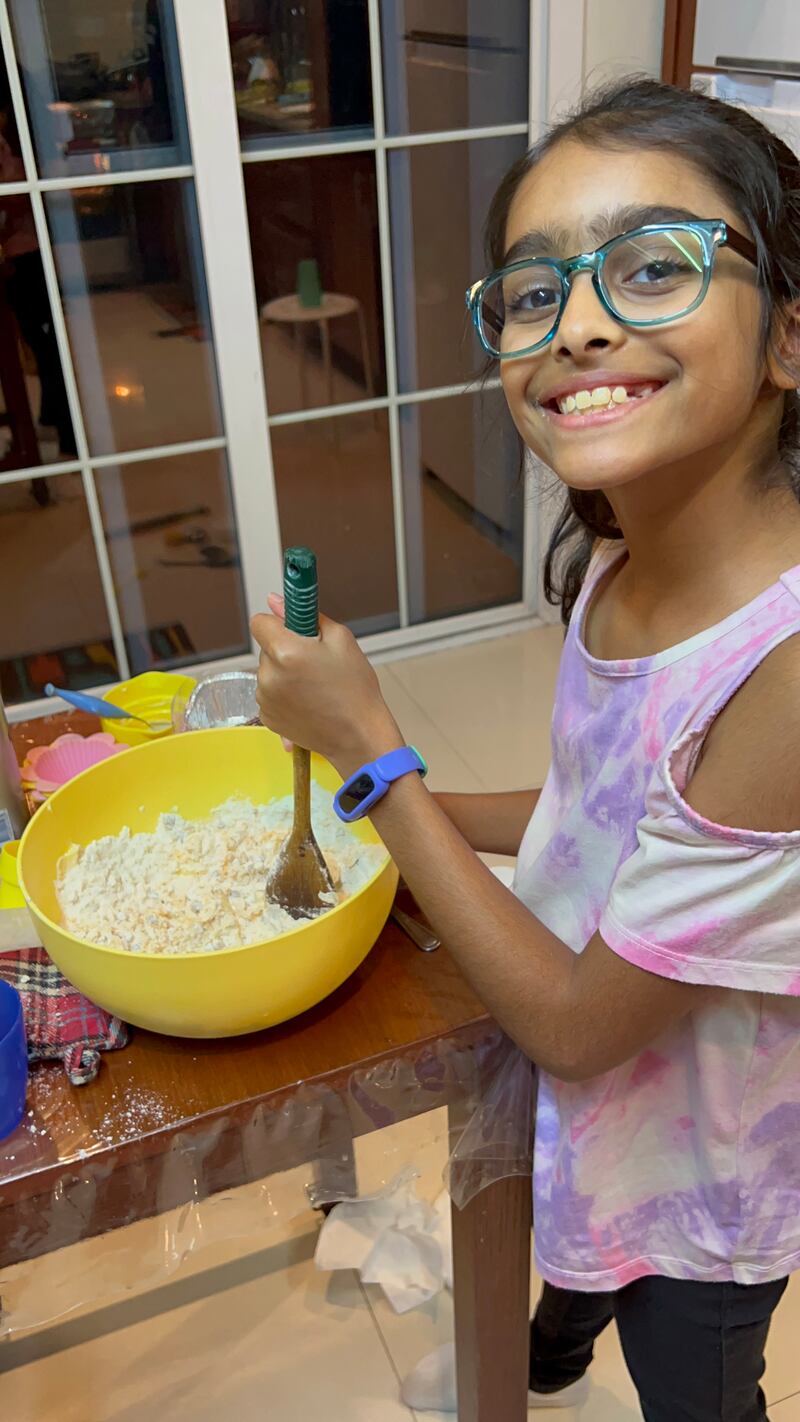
520, 307
655, 274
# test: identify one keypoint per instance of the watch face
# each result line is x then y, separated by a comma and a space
356, 793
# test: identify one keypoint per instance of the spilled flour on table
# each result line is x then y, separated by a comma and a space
197, 886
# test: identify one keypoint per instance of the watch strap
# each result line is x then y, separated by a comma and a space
375, 779
394, 764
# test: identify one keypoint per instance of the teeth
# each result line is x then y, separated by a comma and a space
585, 401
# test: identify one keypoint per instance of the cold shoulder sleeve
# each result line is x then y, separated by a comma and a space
706, 903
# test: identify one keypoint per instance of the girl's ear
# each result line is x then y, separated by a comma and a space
783, 360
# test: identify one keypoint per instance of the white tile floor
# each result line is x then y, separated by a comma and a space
248, 1329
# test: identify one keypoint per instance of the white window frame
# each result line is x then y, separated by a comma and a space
555, 67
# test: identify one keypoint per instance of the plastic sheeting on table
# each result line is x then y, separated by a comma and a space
159, 1190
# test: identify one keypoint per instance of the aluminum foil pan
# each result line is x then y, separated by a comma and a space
224, 699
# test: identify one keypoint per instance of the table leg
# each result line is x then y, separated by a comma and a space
366, 360
300, 352
344, 1178
491, 1264
325, 337
334, 1169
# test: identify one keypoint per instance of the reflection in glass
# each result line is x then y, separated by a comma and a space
171, 537
463, 64
464, 502
35, 423
55, 626
131, 275
300, 69
314, 238
334, 486
440, 194
11, 166
102, 81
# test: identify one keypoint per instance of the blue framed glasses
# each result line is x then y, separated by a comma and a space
643, 278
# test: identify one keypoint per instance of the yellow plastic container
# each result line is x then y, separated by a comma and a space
11, 895
149, 695
209, 994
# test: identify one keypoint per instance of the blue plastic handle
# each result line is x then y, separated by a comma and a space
95, 704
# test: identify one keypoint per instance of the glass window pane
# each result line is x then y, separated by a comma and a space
12, 169
131, 274
316, 261
440, 195
300, 70
102, 82
35, 423
174, 553
464, 502
334, 485
55, 626
454, 64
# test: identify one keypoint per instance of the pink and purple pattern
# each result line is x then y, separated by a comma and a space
684, 1161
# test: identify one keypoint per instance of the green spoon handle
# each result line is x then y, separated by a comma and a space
300, 591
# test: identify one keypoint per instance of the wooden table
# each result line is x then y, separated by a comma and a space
168, 1119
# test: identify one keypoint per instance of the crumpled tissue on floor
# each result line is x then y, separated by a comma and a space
393, 1239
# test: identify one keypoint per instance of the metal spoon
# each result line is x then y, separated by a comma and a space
417, 932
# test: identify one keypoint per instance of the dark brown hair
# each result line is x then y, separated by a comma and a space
760, 176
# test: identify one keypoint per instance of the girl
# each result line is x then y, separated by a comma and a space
648, 960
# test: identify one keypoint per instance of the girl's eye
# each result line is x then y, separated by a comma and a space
536, 296
657, 272
532, 300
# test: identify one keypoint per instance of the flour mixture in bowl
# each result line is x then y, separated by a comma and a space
197, 886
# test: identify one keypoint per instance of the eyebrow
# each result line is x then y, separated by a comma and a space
550, 241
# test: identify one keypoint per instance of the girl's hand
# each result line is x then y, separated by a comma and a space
321, 693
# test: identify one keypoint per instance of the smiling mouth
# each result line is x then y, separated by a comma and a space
599, 404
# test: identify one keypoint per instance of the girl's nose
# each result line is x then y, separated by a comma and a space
585, 324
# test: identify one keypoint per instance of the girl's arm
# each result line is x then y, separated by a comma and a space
491, 824
577, 1015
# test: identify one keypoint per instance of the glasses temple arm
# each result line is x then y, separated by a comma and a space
741, 244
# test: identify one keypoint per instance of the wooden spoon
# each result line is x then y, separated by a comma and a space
300, 875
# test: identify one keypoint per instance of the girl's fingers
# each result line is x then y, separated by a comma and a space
276, 605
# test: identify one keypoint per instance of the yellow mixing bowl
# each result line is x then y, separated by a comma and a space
208, 994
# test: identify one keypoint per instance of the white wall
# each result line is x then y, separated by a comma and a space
592, 41
622, 37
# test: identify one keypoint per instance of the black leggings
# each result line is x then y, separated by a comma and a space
695, 1351
27, 294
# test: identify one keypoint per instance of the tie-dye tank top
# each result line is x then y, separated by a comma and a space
684, 1161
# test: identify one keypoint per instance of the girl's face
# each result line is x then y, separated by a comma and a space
710, 394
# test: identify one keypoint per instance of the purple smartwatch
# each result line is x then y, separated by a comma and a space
370, 783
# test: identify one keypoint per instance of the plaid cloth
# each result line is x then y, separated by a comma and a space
59, 1020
